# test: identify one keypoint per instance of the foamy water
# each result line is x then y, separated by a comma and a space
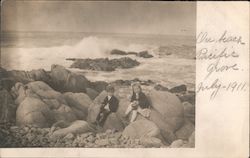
169, 71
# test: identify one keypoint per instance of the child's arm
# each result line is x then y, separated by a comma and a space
105, 101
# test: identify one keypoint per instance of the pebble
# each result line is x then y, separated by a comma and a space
30, 136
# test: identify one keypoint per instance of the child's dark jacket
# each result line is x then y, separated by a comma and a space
113, 103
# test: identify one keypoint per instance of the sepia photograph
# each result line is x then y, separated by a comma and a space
97, 74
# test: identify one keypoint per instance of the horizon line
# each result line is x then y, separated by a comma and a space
2, 31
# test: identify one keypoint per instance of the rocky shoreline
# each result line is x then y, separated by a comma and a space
33, 101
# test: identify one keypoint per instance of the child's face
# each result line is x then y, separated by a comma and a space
110, 93
136, 89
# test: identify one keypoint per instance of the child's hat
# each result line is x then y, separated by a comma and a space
110, 88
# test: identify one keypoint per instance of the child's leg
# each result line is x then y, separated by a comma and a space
104, 117
133, 116
128, 109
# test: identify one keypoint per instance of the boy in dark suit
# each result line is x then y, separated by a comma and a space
109, 105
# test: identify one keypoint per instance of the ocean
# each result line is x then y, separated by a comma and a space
173, 62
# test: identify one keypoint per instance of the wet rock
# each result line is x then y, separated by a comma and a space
141, 128
178, 89
188, 97
41, 105
69, 136
132, 53
65, 81
102, 142
151, 142
159, 87
7, 107
40, 75
92, 93
34, 112
144, 54
79, 103
177, 143
117, 52
191, 140
76, 127
169, 106
113, 122
185, 131
189, 111
99, 86
105, 64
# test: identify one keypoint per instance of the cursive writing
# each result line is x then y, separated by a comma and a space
216, 86
219, 53
225, 37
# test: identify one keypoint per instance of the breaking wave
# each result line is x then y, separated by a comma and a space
44, 57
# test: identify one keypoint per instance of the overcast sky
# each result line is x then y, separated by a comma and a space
112, 17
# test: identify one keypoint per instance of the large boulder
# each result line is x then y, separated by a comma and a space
40, 75
191, 140
47, 101
7, 107
79, 103
189, 111
91, 93
65, 81
113, 122
33, 111
169, 106
178, 89
99, 86
76, 127
141, 128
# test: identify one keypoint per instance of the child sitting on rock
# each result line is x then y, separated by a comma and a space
138, 104
109, 105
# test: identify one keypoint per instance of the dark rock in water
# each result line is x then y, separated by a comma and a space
72, 59
132, 53
124, 63
100, 64
118, 52
104, 64
144, 54
129, 82
159, 87
178, 89
7, 107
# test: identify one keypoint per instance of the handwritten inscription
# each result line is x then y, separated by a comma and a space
222, 50
203, 37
